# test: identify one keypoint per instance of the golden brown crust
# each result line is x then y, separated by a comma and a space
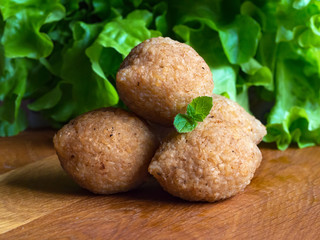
160, 77
106, 150
230, 111
213, 162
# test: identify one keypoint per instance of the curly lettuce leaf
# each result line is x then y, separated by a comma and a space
117, 39
240, 39
296, 65
80, 88
22, 36
12, 88
207, 43
160, 14
295, 116
257, 74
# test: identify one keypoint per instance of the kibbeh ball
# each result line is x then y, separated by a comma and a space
106, 151
160, 77
230, 111
215, 161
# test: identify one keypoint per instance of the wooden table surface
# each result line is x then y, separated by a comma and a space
38, 201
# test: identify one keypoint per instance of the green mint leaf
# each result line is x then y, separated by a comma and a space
197, 111
199, 108
183, 123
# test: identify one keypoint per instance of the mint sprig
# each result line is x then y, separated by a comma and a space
197, 111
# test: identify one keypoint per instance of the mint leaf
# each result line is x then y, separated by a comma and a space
197, 111
199, 108
184, 123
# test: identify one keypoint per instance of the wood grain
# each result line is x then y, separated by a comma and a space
39, 201
29, 146
34, 191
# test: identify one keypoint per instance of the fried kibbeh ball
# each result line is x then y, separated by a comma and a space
160, 77
215, 161
230, 111
106, 151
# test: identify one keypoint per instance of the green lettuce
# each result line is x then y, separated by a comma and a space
23, 19
60, 58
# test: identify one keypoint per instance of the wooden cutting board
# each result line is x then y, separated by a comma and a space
38, 201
